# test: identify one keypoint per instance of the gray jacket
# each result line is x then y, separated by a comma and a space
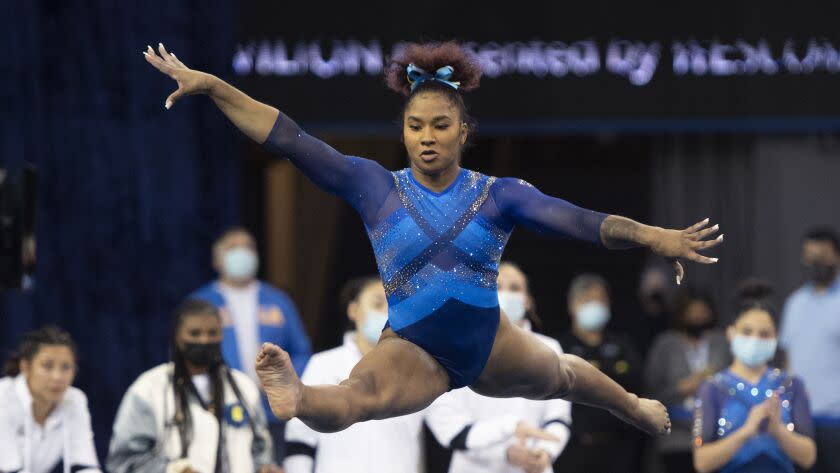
667, 364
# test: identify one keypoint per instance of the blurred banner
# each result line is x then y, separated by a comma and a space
555, 67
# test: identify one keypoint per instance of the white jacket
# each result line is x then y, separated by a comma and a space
146, 439
376, 446
492, 422
65, 436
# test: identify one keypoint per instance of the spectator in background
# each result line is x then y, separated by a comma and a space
386, 446
600, 442
752, 418
253, 312
810, 333
679, 361
656, 288
495, 435
44, 421
194, 414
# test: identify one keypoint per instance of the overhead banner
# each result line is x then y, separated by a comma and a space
548, 71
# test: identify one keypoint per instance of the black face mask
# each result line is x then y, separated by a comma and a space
654, 302
203, 354
820, 273
696, 330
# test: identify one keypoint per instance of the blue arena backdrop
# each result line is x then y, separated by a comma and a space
586, 66
130, 195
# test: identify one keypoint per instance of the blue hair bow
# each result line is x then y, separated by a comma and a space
417, 76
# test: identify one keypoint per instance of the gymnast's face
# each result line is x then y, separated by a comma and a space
434, 133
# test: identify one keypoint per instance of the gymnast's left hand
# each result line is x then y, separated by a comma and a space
189, 81
686, 244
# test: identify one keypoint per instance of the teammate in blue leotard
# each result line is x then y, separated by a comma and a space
438, 232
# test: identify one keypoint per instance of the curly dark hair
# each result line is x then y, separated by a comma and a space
430, 57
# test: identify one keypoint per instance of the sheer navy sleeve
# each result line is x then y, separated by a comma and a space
800, 411
523, 204
706, 413
363, 183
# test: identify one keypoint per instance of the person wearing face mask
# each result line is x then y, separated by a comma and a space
253, 312
44, 421
656, 291
599, 442
810, 334
379, 446
679, 361
503, 435
752, 417
194, 414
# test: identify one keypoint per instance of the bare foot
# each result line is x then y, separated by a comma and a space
648, 415
279, 381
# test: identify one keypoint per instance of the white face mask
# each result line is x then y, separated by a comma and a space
240, 263
593, 315
512, 304
373, 326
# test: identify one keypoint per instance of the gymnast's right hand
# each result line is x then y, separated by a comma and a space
189, 81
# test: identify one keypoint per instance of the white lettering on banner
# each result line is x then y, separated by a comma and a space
819, 55
636, 61
722, 59
537, 58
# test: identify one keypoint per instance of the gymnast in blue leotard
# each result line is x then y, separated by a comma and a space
438, 251
438, 232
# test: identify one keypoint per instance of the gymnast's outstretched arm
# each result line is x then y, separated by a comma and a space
525, 205
253, 118
362, 182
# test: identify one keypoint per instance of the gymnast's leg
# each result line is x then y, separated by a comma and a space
394, 379
520, 365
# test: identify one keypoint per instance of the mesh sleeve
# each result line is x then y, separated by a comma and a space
800, 411
705, 414
523, 204
363, 183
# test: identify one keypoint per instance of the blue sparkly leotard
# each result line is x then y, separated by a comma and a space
437, 252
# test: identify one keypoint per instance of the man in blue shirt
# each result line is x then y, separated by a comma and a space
253, 312
811, 335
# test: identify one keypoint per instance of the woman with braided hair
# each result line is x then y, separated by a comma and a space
193, 414
438, 232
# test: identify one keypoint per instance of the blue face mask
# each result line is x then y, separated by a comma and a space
374, 323
593, 315
240, 263
753, 351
